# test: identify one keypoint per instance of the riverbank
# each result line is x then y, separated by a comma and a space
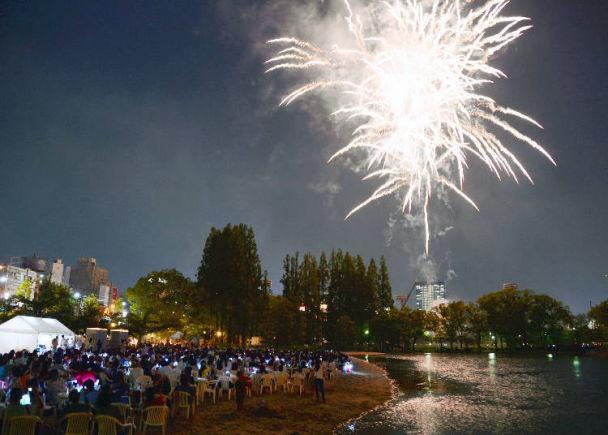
347, 397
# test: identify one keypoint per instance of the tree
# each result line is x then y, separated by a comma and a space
414, 323
579, 330
477, 323
280, 326
507, 315
7, 309
55, 301
159, 301
362, 300
230, 279
25, 289
323, 273
547, 319
385, 329
345, 334
291, 278
310, 295
336, 296
90, 313
385, 294
599, 317
599, 314
452, 319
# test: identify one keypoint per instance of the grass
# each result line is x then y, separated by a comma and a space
347, 397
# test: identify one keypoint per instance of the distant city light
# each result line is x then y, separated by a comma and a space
366, 332
77, 295
302, 308
323, 308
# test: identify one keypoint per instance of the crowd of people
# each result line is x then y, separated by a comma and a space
66, 380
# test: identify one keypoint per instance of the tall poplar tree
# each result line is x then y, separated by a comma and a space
385, 292
230, 277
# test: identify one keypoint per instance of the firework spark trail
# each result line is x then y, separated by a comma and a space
410, 81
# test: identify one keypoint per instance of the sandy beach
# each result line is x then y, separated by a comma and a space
347, 397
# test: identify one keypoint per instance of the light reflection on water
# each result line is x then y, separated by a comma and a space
491, 393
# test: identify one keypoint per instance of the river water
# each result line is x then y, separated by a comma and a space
445, 394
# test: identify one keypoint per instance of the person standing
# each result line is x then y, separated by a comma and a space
241, 385
319, 381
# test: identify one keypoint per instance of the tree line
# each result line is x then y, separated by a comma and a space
339, 300
325, 297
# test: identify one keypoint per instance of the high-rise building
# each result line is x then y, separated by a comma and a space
429, 294
509, 286
67, 271
57, 272
32, 262
87, 277
12, 277
108, 294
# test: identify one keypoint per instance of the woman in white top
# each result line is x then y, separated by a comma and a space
319, 381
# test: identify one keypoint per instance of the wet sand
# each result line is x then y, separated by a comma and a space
347, 396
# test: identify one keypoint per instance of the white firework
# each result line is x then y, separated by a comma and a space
409, 83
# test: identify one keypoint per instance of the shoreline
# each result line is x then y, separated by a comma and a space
348, 397
394, 388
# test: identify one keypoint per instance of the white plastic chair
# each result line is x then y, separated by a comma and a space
210, 390
266, 382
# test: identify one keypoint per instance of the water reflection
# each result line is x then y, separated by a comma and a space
429, 368
489, 393
492, 365
576, 365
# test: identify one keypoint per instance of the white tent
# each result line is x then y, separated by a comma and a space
25, 332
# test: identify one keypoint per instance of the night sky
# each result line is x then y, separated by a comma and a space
128, 129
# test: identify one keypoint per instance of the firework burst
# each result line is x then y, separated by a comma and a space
409, 84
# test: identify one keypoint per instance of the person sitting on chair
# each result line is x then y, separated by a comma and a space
103, 406
14, 407
185, 386
74, 404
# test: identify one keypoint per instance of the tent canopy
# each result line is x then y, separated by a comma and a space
35, 325
25, 332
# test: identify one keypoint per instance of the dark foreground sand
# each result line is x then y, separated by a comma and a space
347, 397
